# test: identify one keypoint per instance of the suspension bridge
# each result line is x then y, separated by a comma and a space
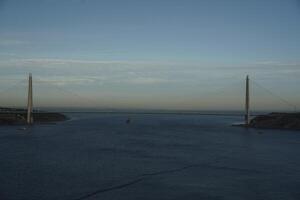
28, 113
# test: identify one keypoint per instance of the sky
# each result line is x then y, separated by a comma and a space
158, 54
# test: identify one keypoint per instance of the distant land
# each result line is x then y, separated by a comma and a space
16, 116
274, 120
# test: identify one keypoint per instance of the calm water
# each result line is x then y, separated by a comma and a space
99, 156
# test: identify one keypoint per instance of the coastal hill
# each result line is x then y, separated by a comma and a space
277, 121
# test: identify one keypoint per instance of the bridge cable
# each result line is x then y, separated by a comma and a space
66, 91
11, 87
276, 95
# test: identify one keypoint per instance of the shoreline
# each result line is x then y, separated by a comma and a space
278, 121
19, 118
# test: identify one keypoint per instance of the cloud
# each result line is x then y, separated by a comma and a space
69, 80
47, 61
276, 63
148, 81
99, 80
51, 61
60, 63
55, 63
136, 72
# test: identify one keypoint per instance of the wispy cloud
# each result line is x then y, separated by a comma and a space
276, 63
48, 61
135, 72
148, 81
70, 80
53, 61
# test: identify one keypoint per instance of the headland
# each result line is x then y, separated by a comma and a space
277, 120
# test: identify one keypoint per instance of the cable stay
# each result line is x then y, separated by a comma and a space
283, 100
68, 92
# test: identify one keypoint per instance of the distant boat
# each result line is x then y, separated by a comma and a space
238, 124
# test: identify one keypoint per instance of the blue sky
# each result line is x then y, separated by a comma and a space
153, 54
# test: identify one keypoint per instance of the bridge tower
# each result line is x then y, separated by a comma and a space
247, 103
29, 102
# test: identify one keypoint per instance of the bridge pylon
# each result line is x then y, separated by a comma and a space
247, 102
29, 102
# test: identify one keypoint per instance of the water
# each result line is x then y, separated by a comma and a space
99, 156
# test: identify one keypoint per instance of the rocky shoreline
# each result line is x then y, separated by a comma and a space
289, 121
